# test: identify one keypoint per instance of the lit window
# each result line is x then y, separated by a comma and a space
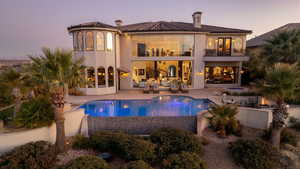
80, 40
110, 76
91, 80
109, 41
100, 41
101, 77
238, 45
210, 43
89, 41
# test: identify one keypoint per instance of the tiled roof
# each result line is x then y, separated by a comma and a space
93, 24
162, 26
261, 40
177, 26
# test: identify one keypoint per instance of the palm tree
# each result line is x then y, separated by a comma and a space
54, 71
14, 80
280, 84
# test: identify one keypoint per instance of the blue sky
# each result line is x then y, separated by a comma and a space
28, 25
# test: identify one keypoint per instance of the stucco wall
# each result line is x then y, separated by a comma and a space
255, 118
140, 125
9, 141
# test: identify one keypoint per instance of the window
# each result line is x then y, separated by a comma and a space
237, 45
172, 71
100, 40
221, 74
110, 76
101, 77
80, 41
224, 46
109, 41
75, 41
89, 41
163, 45
91, 81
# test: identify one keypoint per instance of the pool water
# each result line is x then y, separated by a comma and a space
158, 106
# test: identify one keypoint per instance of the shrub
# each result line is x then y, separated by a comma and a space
37, 112
184, 160
254, 154
295, 123
170, 141
6, 114
81, 142
87, 162
287, 136
223, 120
126, 146
137, 165
35, 155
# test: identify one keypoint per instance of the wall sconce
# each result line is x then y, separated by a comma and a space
124, 75
199, 73
242, 71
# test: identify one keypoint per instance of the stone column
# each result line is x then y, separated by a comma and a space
239, 73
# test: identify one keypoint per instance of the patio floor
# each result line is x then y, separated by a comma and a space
214, 94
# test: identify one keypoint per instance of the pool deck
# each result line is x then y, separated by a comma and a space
214, 94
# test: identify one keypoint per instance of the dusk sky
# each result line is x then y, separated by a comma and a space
28, 25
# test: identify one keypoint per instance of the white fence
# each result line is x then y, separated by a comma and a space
73, 120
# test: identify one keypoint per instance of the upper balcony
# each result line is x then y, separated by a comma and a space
225, 55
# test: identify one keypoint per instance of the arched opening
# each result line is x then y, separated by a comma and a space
172, 71
89, 41
80, 41
101, 77
91, 80
110, 76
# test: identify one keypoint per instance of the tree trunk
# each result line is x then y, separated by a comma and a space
275, 137
17, 94
66, 88
280, 114
58, 103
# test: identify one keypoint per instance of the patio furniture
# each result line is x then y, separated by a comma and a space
183, 88
174, 87
147, 88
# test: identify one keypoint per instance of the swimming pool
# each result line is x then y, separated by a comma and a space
157, 106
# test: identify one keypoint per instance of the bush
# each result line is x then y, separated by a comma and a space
37, 112
287, 136
223, 120
137, 165
6, 114
184, 160
254, 154
35, 155
295, 123
170, 141
81, 142
126, 146
87, 162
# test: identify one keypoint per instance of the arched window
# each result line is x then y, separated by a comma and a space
80, 41
109, 41
110, 76
91, 80
172, 71
75, 41
101, 77
89, 41
100, 40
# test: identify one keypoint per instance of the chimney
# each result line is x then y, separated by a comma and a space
197, 19
118, 22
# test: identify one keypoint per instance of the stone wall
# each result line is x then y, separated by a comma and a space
140, 125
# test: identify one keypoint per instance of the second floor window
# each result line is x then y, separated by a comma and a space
89, 41
109, 41
80, 41
224, 46
100, 40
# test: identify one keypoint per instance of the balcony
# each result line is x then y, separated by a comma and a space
214, 55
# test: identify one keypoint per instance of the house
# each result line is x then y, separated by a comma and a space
129, 56
254, 45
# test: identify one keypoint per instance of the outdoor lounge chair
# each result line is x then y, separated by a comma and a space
183, 88
155, 87
147, 88
174, 87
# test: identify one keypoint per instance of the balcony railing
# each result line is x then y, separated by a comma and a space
214, 52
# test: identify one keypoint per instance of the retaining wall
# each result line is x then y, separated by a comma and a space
141, 125
11, 140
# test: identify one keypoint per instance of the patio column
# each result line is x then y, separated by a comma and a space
239, 73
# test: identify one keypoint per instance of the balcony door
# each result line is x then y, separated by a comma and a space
224, 46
